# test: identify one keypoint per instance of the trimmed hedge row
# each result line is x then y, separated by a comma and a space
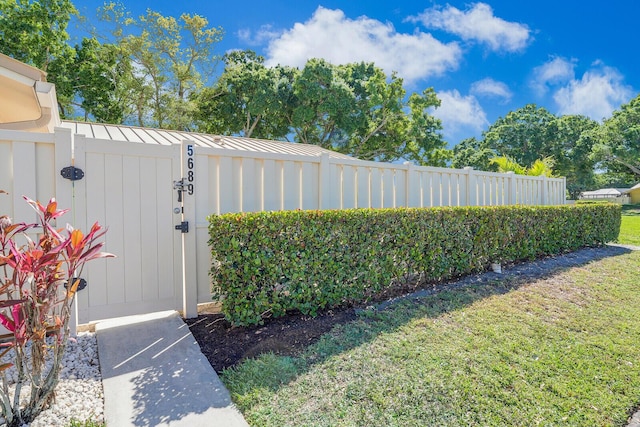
267, 263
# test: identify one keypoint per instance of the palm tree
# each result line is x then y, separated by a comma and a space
540, 167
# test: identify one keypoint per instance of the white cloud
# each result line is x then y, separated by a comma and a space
479, 24
265, 34
330, 35
491, 88
460, 113
600, 91
556, 71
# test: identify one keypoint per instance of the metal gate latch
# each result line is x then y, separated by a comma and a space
183, 227
179, 185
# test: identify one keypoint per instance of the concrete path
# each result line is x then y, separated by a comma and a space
154, 374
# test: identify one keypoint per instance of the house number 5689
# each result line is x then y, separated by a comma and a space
190, 166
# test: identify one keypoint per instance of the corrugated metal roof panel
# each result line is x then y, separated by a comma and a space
130, 134
116, 133
85, 129
168, 137
159, 136
100, 132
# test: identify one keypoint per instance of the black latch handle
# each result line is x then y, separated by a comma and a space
183, 227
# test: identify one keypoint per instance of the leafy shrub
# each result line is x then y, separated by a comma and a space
267, 263
35, 305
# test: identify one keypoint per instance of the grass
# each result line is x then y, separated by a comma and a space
630, 227
558, 351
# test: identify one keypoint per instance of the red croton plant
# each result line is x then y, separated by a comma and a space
36, 304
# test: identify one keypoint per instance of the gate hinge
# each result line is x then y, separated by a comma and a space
71, 172
81, 285
183, 227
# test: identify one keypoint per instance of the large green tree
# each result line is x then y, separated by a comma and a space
98, 82
572, 151
422, 142
35, 32
474, 153
522, 135
355, 109
358, 110
248, 99
617, 145
531, 133
171, 60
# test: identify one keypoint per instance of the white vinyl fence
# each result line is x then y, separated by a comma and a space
160, 237
237, 181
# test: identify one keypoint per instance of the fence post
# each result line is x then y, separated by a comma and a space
545, 191
324, 182
512, 195
407, 187
472, 188
189, 244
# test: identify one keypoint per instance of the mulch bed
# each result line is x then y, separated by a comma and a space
225, 345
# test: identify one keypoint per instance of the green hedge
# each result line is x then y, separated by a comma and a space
267, 263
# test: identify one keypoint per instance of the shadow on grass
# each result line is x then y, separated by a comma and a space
271, 372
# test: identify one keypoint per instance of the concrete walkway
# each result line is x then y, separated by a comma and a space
154, 374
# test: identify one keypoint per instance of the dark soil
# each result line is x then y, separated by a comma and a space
225, 345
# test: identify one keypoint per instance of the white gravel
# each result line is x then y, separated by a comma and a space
79, 394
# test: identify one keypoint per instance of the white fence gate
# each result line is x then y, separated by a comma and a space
126, 187
155, 198
129, 188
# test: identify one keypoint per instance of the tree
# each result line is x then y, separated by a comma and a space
248, 99
474, 153
99, 74
379, 122
617, 146
614, 179
354, 109
572, 151
507, 164
540, 167
171, 59
530, 133
35, 32
422, 142
324, 109
522, 135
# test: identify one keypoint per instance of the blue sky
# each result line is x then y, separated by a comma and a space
484, 59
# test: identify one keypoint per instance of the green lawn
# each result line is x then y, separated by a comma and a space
630, 227
560, 351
